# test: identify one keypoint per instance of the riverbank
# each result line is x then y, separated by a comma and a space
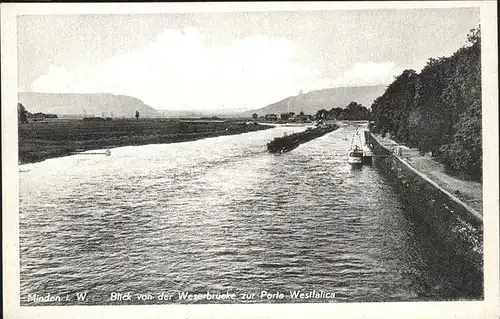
41, 141
446, 217
467, 191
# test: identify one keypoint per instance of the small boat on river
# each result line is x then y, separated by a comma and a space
367, 148
355, 154
367, 154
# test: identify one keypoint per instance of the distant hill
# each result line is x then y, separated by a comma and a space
327, 99
85, 104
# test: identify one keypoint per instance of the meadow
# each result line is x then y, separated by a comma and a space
42, 140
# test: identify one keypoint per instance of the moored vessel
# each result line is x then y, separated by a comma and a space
367, 148
355, 156
367, 153
289, 142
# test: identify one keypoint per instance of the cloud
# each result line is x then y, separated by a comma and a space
368, 73
178, 70
57, 79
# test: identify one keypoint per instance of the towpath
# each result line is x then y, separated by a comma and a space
469, 192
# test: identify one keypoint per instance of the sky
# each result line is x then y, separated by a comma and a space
233, 60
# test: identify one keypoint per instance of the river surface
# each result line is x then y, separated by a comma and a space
223, 215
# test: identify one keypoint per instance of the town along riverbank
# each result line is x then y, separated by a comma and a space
41, 141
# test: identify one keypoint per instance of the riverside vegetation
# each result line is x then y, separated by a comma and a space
438, 110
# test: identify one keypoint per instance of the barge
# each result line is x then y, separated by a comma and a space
360, 151
290, 142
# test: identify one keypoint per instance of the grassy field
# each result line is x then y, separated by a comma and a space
40, 141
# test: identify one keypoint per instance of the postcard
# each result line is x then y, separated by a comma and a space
229, 160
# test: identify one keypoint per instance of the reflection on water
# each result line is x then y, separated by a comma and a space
221, 214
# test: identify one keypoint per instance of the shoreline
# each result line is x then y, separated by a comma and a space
467, 191
39, 149
447, 218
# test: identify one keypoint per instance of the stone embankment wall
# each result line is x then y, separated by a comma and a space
450, 221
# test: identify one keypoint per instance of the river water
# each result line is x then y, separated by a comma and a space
223, 215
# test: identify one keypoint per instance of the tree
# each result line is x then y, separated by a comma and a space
438, 110
321, 114
136, 115
301, 113
254, 115
22, 114
285, 116
464, 153
335, 113
474, 36
353, 111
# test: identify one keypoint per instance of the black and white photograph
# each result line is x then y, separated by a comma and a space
211, 154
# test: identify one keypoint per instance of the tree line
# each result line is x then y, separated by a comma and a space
438, 110
23, 115
354, 111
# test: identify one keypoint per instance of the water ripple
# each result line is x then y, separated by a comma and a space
222, 213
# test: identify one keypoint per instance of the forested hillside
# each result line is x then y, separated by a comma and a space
438, 110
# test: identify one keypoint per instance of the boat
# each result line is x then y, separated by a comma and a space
367, 154
367, 148
355, 154
289, 142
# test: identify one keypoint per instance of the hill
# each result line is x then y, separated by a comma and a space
85, 104
327, 99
